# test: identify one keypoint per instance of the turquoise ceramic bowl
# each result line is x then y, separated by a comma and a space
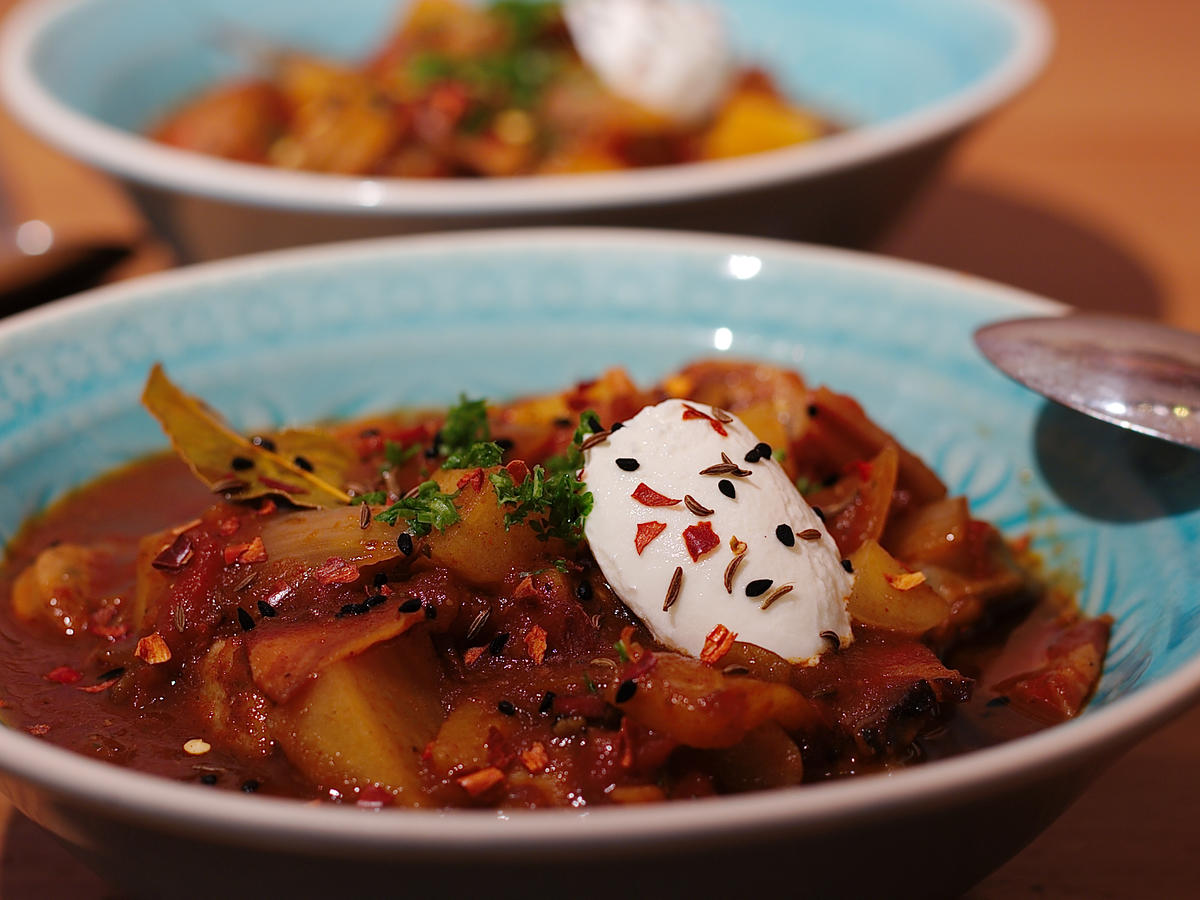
906, 78
345, 330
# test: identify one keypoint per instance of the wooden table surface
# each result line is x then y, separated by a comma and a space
1085, 189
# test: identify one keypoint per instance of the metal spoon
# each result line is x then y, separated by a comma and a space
1139, 375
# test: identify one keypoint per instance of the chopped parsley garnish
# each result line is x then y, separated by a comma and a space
571, 459
466, 424
482, 455
466, 437
397, 454
429, 508
806, 485
552, 505
373, 498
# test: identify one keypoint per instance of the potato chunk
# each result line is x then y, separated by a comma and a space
888, 595
366, 720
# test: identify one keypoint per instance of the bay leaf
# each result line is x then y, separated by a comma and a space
226, 461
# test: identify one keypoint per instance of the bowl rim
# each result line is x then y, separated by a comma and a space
141, 160
269, 822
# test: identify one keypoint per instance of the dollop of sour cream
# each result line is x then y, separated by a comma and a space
670, 56
656, 511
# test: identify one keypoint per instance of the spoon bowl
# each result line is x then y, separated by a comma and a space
1139, 375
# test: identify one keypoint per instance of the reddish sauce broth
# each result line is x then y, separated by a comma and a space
150, 739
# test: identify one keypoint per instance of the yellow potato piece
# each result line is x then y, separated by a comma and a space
366, 720
752, 122
877, 601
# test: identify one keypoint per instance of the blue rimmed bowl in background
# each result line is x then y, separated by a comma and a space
906, 78
344, 330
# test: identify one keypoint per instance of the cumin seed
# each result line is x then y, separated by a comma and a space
696, 506
593, 439
730, 570
477, 624
364, 517
776, 594
809, 534
673, 589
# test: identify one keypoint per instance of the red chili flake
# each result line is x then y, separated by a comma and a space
98, 687
229, 526
717, 644
478, 782
535, 643
475, 479
281, 486
64, 675
267, 507
252, 552
39, 730
700, 539
336, 570
175, 556
472, 655
646, 532
374, 797
518, 470
427, 753
535, 759
498, 752
690, 412
152, 649
860, 467
647, 496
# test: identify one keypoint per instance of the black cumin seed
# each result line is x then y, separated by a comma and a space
819, 513
369, 433
563, 423
752, 455
266, 443
430, 611
504, 444
208, 778
1002, 700
830, 480
628, 463
848, 566
241, 463
583, 590
431, 451
496, 645
411, 605
758, 587
725, 486
812, 410
352, 609
764, 449
375, 600
111, 673
785, 534
626, 691
617, 426
405, 543
379, 580
249, 786
547, 703
244, 619
266, 609
302, 463
506, 707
